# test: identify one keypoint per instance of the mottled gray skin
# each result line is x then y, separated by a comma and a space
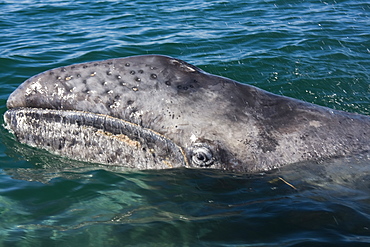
189, 118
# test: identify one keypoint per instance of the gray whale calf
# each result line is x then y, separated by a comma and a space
158, 112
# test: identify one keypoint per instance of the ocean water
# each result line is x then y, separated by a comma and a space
317, 51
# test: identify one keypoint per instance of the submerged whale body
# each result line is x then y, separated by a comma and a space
158, 112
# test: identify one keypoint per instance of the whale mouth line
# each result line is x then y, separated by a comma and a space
96, 138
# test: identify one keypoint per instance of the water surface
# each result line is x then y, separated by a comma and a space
318, 51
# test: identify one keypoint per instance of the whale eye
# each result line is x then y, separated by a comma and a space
202, 156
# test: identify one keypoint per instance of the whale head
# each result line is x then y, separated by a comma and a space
158, 112
146, 112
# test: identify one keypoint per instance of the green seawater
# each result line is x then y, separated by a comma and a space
317, 51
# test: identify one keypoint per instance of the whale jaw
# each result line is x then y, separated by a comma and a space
94, 138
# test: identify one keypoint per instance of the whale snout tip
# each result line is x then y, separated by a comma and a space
16, 99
